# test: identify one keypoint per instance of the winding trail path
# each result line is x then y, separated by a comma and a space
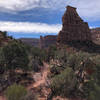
41, 80
2, 98
41, 77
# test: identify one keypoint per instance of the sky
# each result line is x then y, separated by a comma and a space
32, 18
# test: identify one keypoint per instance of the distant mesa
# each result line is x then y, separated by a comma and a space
30, 41
47, 41
74, 28
43, 42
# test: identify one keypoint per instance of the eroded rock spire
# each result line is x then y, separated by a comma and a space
74, 28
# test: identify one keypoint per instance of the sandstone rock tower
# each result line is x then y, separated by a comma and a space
74, 28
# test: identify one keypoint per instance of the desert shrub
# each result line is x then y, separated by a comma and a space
38, 53
51, 53
30, 96
2, 61
15, 92
36, 58
81, 67
34, 65
64, 83
76, 60
95, 93
97, 76
61, 55
55, 69
96, 59
14, 56
73, 61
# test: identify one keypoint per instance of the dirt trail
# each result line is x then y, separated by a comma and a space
2, 98
41, 80
41, 77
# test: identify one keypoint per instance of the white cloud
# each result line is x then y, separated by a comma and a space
90, 9
20, 5
27, 27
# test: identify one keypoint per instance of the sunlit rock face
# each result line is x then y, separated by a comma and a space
74, 28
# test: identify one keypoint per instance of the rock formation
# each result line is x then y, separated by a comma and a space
47, 41
74, 28
4, 39
43, 42
30, 41
95, 33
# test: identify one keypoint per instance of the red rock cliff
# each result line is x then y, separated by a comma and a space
74, 28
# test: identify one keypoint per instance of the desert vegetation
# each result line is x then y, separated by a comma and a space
75, 75
72, 73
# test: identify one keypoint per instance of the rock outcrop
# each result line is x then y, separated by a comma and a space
47, 41
74, 28
43, 42
95, 33
4, 39
30, 41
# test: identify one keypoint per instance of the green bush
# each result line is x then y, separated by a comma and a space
51, 53
14, 56
34, 65
15, 92
64, 83
94, 94
30, 96
79, 75
38, 53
